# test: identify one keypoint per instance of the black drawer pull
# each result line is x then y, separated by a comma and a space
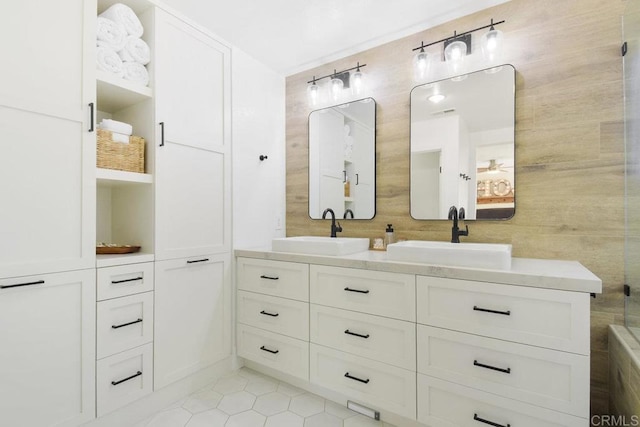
348, 289
348, 332
491, 423
39, 282
263, 348
269, 277
126, 324
161, 134
506, 371
486, 310
198, 260
92, 107
266, 313
356, 378
137, 374
135, 279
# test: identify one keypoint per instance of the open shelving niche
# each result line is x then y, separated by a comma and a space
125, 199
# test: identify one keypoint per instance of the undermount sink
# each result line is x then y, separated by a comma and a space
477, 255
319, 245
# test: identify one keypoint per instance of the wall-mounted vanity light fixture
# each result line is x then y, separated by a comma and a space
340, 80
456, 49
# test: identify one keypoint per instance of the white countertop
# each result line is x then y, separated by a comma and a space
538, 273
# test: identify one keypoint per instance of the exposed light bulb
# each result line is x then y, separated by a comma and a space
357, 83
492, 45
336, 86
421, 65
313, 94
455, 54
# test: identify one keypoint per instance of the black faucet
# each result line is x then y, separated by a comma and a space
455, 231
334, 228
347, 213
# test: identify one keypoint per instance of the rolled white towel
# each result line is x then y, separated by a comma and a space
135, 72
135, 50
116, 126
124, 15
108, 60
111, 33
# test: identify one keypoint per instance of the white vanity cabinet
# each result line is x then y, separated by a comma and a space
528, 345
192, 316
48, 149
47, 362
421, 344
354, 349
273, 314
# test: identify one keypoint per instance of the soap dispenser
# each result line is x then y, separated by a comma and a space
389, 236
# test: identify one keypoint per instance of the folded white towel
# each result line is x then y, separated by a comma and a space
124, 15
116, 126
135, 72
111, 33
108, 60
135, 50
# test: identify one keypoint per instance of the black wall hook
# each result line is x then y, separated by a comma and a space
263, 157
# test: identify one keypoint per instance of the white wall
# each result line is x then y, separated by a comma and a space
258, 128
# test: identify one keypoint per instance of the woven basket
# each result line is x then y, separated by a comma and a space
117, 155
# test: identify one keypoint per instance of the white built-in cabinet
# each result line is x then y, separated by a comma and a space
47, 362
47, 220
193, 316
48, 151
71, 352
192, 77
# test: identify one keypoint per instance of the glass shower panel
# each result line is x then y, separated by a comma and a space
631, 61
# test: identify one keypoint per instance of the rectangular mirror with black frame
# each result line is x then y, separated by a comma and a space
342, 152
463, 145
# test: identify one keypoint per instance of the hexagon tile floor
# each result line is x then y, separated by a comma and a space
246, 398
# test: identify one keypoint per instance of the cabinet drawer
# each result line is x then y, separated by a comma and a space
114, 282
373, 292
371, 383
445, 404
274, 351
379, 338
123, 378
279, 315
539, 376
124, 323
278, 278
541, 317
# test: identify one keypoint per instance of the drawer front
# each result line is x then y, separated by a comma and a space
368, 382
114, 282
539, 376
445, 404
374, 292
124, 323
541, 317
124, 378
274, 350
279, 315
277, 278
379, 338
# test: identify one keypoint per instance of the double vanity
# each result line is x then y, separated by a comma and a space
424, 333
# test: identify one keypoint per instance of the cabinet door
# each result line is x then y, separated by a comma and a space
192, 316
192, 87
47, 362
192, 202
47, 223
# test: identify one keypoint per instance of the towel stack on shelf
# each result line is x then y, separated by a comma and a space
121, 50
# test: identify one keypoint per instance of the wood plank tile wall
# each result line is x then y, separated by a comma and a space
569, 146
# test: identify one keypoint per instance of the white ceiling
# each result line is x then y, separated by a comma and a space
290, 36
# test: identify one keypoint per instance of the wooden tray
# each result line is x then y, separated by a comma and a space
112, 250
